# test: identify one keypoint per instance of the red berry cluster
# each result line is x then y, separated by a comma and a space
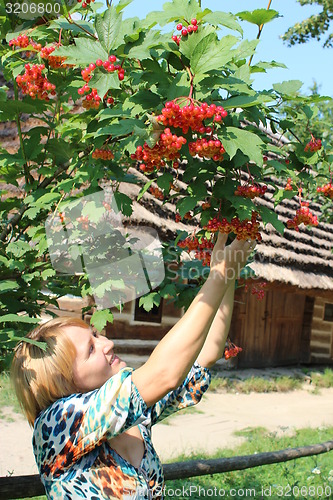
303, 216
55, 62
250, 191
191, 27
313, 145
23, 41
85, 3
102, 154
191, 116
157, 193
207, 149
92, 100
258, 290
167, 147
231, 350
34, 84
326, 190
84, 221
288, 186
244, 230
202, 249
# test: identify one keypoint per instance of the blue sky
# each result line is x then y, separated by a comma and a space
306, 62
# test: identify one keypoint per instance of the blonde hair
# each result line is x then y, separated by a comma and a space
39, 376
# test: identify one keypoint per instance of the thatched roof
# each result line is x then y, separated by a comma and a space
301, 259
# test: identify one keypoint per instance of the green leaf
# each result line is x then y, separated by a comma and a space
212, 54
246, 101
145, 188
15, 318
248, 142
118, 128
225, 19
8, 285
83, 52
258, 16
186, 204
268, 216
181, 10
165, 180
290, 87
149, 301
108, 25
104, 82
124, 203
100, 318
41, 345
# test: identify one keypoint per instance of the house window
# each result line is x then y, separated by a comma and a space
328, 313
152, 316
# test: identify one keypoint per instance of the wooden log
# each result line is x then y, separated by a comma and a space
192, 468
13, 487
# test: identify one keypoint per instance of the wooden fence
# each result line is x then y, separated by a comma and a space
12, 487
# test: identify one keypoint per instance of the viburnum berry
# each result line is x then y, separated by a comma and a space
288, 186
303, 216
250, 191
190, 117
84, 221
257, 289
207, 149
157, 193
55, 62
34, 83
326, 190
185, 30
85, 3
202, 248
244, 230
178, 217
102, 154
313, 145
166, 149
231, 350
92, 100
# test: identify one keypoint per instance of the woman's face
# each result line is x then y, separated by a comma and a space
95, 361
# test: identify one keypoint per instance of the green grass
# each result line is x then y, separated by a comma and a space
283, 480
317, 380
7, 396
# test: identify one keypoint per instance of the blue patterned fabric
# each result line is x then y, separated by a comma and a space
71, 447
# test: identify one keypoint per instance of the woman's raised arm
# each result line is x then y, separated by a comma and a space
172, 359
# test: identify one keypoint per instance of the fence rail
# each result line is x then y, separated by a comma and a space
13, 487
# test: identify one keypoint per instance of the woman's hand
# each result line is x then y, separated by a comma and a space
228, 261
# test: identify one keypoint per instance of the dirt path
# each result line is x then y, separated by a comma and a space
211, 427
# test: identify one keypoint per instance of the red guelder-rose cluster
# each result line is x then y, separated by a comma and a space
231, 350
244, 230
190, 28
303, 216
250, 191
313, 145
202, 248
92, 99
34, 83
102, 154
326, 190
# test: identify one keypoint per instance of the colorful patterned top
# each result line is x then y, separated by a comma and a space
70, 439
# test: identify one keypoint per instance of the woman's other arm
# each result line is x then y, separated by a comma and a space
214, 345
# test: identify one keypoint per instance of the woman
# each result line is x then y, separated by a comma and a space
92, 415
